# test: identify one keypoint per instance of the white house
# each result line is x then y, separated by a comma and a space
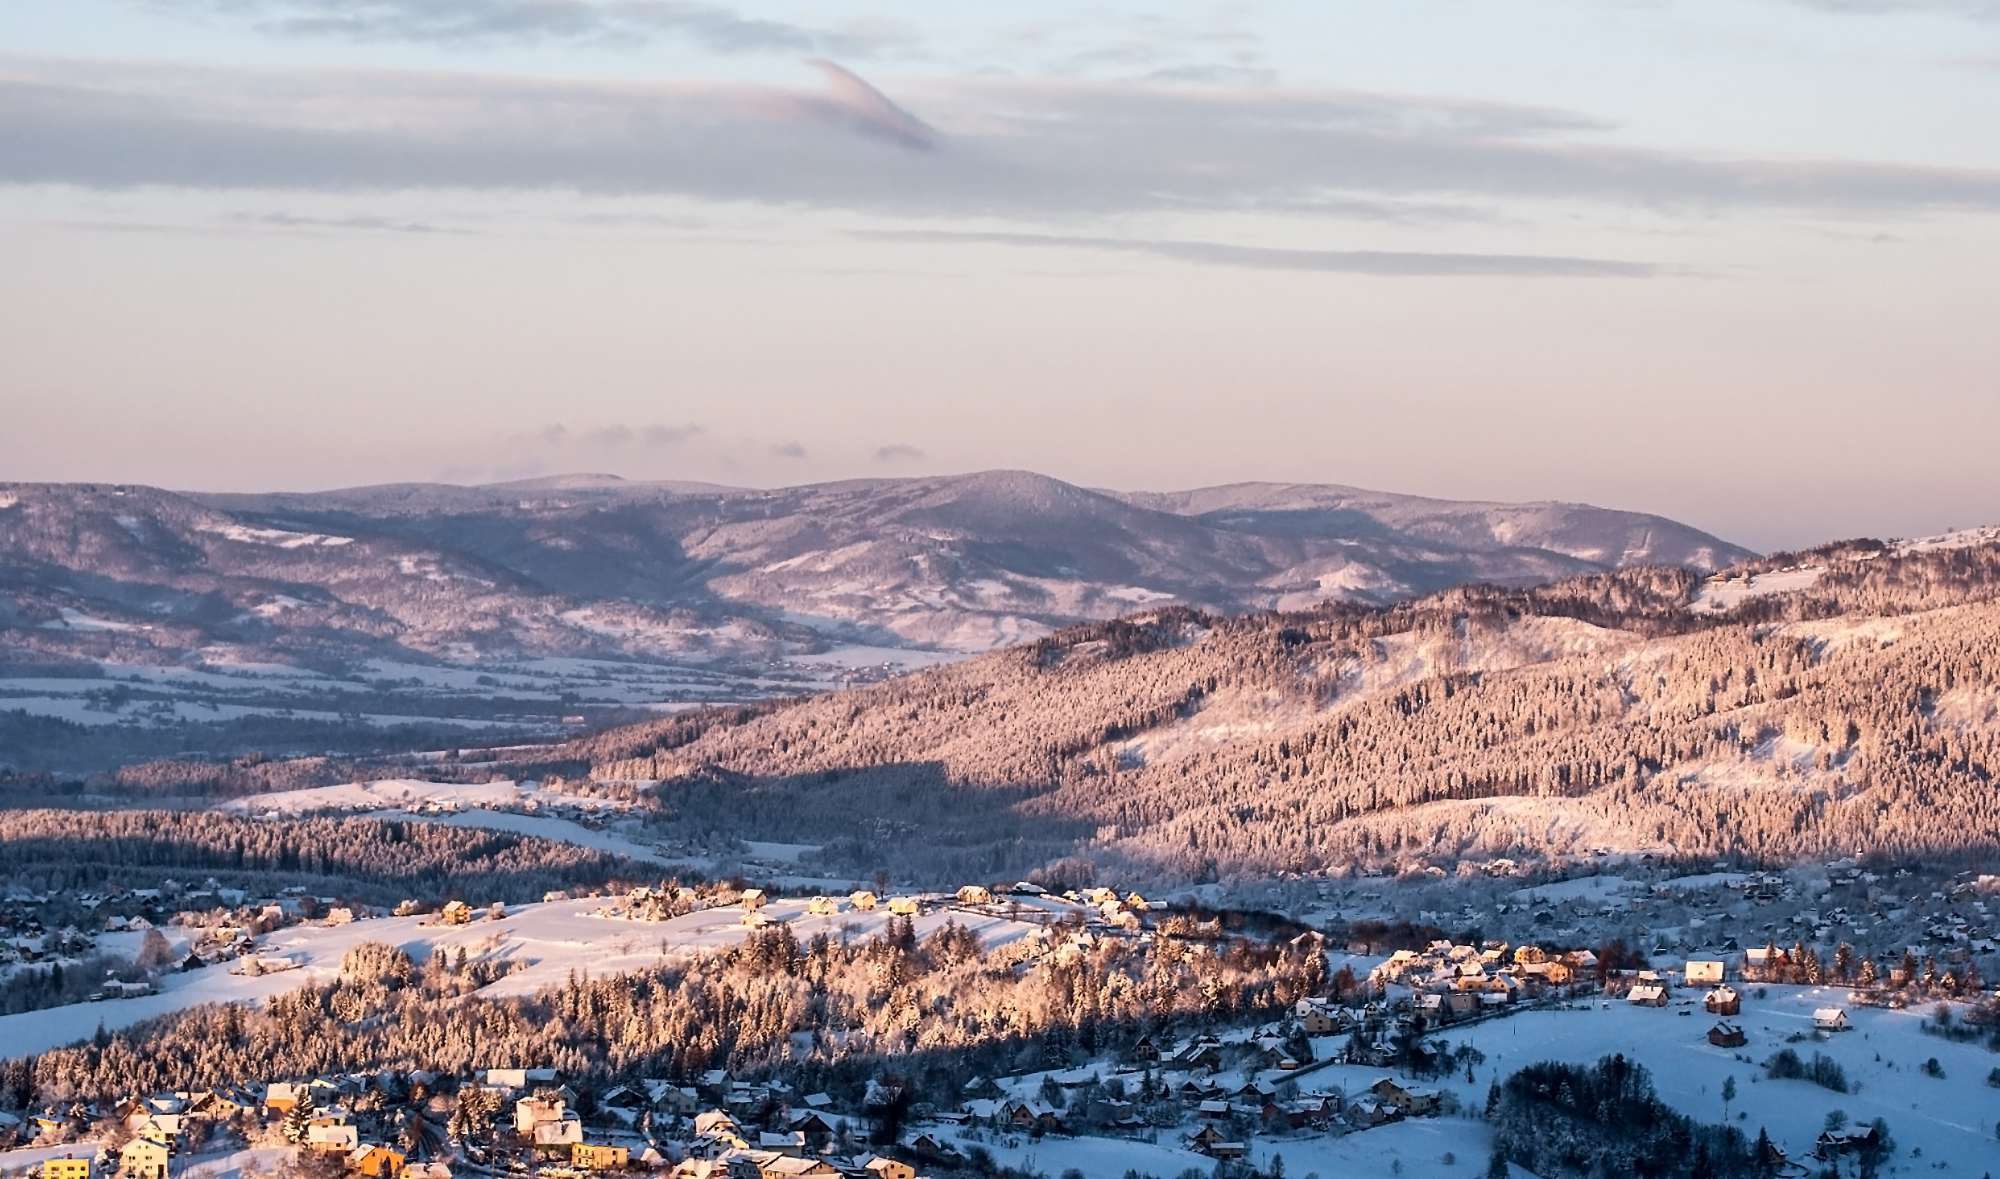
1831, 1019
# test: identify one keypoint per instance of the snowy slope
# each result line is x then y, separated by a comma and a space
548, 941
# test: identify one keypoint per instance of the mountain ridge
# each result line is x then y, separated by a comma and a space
594, 565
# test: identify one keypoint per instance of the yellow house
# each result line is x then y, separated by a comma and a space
887, 1168
585, 1156
66, 1168
376, 1162
143, 1158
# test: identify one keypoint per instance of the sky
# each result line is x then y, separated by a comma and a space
1732, 261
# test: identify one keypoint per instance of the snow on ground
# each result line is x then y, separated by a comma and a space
403, 793
1963, 538
78, 620
544, 826
1584, 888
1725, 592
1418, 1145
275, 536
548, 941
1951, 1119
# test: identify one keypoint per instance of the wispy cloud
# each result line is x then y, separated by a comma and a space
788, 450
1031, 152
898, 452
1967, 9
363, 222
1375, 262
607, 23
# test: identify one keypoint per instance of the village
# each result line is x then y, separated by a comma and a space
1407, 1035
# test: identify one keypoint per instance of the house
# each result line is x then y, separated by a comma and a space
1411, 1102
1723, 1000
822, 907
281, 1097
1834, 1143
975, 894
1368, 1113
888, 1168
1647, 995
785, 1166
547, 1122
903, 906
1831, 1019
376, 1162
1727, 1035
863, 901
455, 913
588, 1156
1702, 972
143, 1158
753, 898
66, 1168
332, 1137
1209, 1141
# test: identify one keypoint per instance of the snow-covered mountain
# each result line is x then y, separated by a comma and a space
592, 564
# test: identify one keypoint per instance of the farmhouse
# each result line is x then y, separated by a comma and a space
1727, 1035
1831, 1019
1700, 972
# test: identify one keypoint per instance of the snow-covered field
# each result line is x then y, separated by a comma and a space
1725, 592
1953, 1120
405, 793
547, 940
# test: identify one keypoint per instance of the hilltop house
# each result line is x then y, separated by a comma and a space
1831, 1019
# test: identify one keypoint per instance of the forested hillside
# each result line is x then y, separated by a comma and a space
1857, 713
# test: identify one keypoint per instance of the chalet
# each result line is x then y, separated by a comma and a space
753, 898
975, 894
1727, 1035
142, 1158
1144, 1050
1411, 1102
1833, 1144
1723, 1000
883, 1167
1702, 972
281, 1097
903, 906
376, 1162
1027, 888
822, 907
1831, 1019
589, 1156
455, 913
863, 901
1647, 995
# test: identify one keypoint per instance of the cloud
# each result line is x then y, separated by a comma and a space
1373, 262
609, 437
486, 23
662, 437
1024, 151
870, 111
897, 452
788, 450
554, 434
336, 224
1980, 10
